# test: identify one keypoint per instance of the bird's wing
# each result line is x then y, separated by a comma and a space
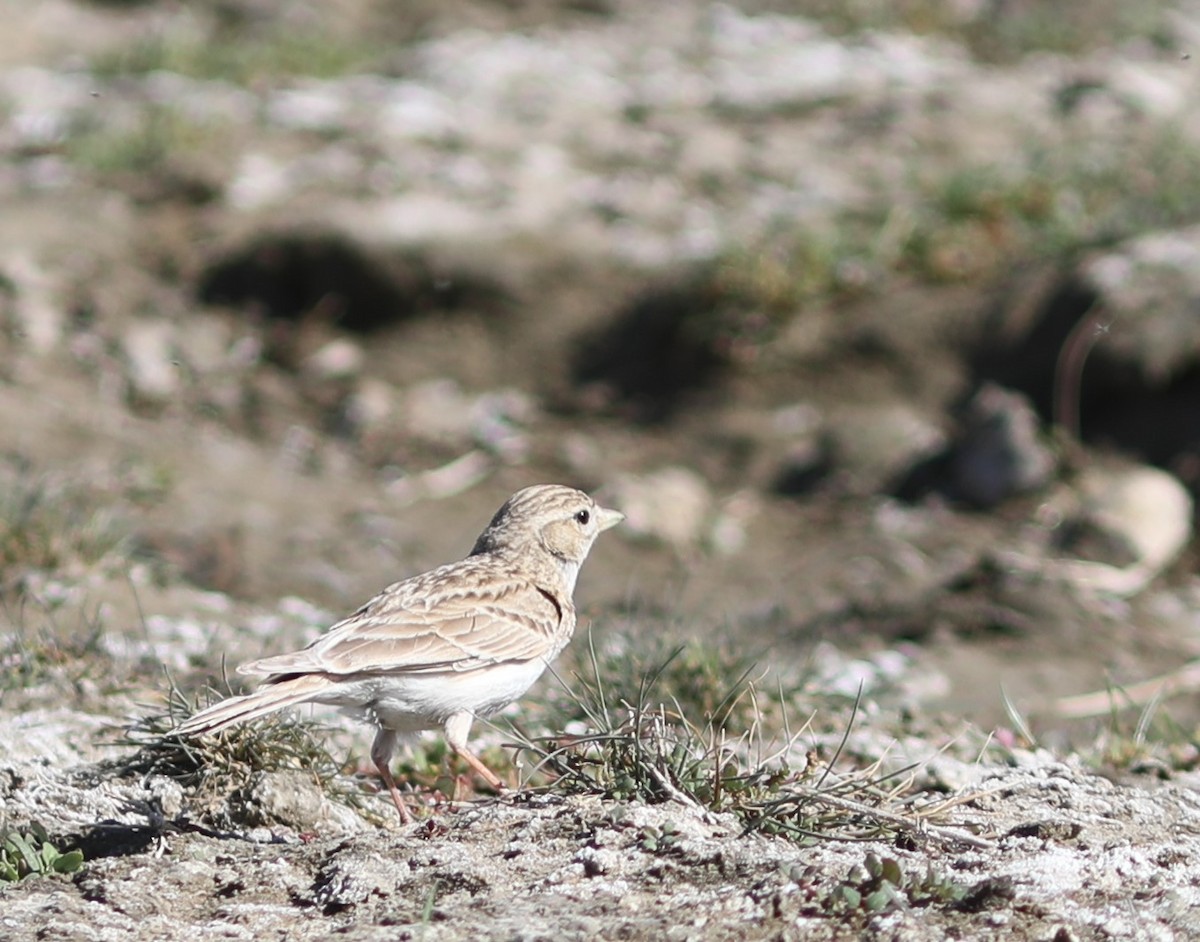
434, 624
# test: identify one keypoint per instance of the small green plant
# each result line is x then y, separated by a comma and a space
766, 285
879, 884
1051, 201
32, 853
639, 748
664, 839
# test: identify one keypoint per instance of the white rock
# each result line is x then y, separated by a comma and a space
153, 372
497, 422
1149, 508
259, 180
311, 106
1145, 508
36, 312
41, 103
671, 504
441, 411
412, 110
372, 405
454, 477
1149, 287
731, 527
206, 342
338, 359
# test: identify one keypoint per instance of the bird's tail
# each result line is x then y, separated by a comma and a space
274, 696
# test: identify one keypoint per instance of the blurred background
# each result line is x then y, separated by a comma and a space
880, 321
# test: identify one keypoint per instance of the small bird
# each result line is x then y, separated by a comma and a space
439, 649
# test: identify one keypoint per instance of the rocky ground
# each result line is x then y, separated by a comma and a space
877, 322
1075, 858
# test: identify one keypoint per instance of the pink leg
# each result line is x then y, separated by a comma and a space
457, 729
381, 755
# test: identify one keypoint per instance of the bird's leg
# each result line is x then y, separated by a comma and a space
484, 772
457, 728
381, 755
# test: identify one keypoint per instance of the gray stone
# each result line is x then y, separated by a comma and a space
152, 365
1000, 451
672, 505
1148, 290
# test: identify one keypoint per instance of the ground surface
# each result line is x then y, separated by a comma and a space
292, 298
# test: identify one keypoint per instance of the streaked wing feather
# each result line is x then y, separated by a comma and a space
432, 624
462, 644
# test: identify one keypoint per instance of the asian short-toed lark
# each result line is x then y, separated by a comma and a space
439, 649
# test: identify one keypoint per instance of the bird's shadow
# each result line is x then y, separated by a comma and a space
112, 838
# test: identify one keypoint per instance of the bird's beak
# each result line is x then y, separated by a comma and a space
608, 518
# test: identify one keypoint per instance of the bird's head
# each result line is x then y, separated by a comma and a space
555, 519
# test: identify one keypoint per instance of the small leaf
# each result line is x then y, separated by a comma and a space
69, 862
847, 895
892, 873
20, 843
880, 900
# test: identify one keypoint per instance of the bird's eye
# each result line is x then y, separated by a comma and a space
583, 517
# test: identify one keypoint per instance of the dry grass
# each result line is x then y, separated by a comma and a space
215, 766
642, 745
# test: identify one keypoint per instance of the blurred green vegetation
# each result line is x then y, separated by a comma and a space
152, 143
245, 57
1000, 31
56, 524
972, 221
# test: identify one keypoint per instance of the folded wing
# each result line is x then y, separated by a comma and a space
431, 623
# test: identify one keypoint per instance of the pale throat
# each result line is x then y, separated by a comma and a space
570, 572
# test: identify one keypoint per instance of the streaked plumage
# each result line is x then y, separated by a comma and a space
460, 641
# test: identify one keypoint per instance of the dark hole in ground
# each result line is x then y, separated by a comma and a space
1023, 357
1116, 404
293, 277
661, 346
1160, 425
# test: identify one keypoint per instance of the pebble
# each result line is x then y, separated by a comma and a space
1000, 451
671, 505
